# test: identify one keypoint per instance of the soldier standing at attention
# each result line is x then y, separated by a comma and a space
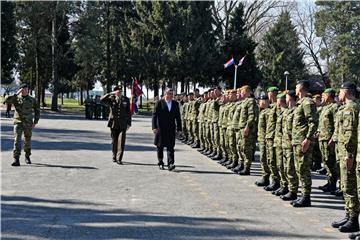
325, 133
281, 103
215, 137
288, 155
263, 106
24, 122
346, 148
303, 131
247, 129
316, 156
119, 121
270, 135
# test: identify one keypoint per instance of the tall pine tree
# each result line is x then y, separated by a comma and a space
281, 52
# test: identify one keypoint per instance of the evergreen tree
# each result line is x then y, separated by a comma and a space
281, 52
237, 46
337, 23
9, 53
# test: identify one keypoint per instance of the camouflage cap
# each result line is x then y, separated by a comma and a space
273, 89
280, 95
330, 90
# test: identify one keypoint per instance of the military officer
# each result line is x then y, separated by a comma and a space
26, 116
325, 132
263, 106
247, 129
346, 149
305, 123
119, 121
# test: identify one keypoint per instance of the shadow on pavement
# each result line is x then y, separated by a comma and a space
62, 166
201, 172
69, 219
154, 164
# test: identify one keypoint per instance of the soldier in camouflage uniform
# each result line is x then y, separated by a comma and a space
221, 123
190, 119
24, 121
325, 132
195, 124
270, 135
230, 101
264, 107
207, 122
200, 120
280, 162
305, 123
233, 133
215, 137
316, 156
247, 129
184, 112
230, 132
291, 175
347, 144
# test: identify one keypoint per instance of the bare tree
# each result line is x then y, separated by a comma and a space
305, 21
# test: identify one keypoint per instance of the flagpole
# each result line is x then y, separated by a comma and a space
236, 66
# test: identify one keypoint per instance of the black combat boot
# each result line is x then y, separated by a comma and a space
290, 196
16, 162
238, 168
337, 224
324, 186
282, 191
304, 201
354, 235
322, 171
339, 193
232, 165
352, 225
222, 161
211, 155
262, 182
27, 160
245, 172
227, 163
196, 144
316, 165
216, 157
272, 187
331, 187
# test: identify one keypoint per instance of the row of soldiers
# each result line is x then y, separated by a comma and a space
288, 127
94, 108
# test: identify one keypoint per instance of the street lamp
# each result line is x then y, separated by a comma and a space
286, 73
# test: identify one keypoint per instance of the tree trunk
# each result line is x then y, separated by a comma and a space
55, 77
108, 57
62, 98
38, 84
182, 86
43, 96
156, 88
81, 96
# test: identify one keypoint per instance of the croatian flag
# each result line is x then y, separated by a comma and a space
241, 61
229, 63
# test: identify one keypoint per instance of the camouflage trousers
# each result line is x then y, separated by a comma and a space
271, 160
207, 136
303, 163
291, 175
184, 129
280, 164
263, 160
19, 129
246, 148
189, 124
223, 143
348, 180
328, 156
231, 135
215, 137
195, 130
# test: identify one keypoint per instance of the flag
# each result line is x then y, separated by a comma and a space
135, 93
241, 61
229, 63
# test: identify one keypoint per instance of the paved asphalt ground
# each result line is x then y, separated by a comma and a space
73, 190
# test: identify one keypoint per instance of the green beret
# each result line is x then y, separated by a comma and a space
281, 95
330, 90
272, 89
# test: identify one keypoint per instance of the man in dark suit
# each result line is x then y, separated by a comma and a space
166, 121
119, 121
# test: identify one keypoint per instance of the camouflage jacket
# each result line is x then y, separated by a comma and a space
271, 121
24, 109
262, 125
305, 121
327, 122
248, 114
279, 128
287, 120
